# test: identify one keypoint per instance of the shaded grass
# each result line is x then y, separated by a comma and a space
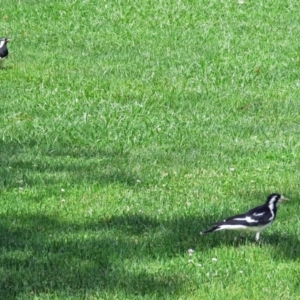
131, 254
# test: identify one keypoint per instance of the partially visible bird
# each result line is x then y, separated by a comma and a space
255, 220
3, 50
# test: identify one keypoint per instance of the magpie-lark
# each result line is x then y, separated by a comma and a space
255, 220
3, 50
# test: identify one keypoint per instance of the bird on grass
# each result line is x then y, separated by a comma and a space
3, 50
255, 220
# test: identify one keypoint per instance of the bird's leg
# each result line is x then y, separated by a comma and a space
257, 236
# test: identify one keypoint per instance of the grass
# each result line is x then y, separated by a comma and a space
127, 127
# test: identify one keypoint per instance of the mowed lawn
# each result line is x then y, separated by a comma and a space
127, 127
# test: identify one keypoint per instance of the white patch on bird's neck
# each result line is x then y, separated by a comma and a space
272, 206
272, 202
2, 43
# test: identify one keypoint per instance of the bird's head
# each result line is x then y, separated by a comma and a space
4, 41
275, 199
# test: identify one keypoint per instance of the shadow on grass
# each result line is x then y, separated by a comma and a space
4, 68
21, 165
42, 255
39, 254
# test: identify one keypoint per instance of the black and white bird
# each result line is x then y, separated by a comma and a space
3, 50
255, 220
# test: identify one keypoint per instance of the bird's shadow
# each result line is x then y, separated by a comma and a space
5, 68
282, 245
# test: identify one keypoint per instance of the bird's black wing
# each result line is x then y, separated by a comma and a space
261, 214
235, 220
257, 216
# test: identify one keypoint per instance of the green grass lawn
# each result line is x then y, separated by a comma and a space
127, 127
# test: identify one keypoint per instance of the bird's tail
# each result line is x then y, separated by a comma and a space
212, 229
